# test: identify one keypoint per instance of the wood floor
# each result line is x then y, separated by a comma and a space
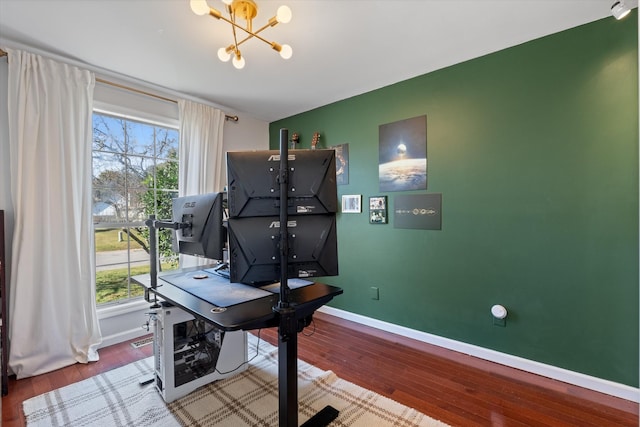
457, 389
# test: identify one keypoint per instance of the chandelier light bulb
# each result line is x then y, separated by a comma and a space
238, 62
284, 14
227, 2
199, 7
619, 10
223, 54
286, 52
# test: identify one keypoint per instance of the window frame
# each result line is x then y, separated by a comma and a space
166, 123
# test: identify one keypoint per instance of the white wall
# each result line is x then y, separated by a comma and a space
246, 134
124, 321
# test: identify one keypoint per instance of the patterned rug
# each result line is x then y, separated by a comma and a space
250, 398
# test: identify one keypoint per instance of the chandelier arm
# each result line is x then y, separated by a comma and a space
251, 33
244, 40
272, 23
233, 29
269, 24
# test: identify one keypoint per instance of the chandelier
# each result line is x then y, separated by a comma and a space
247, 10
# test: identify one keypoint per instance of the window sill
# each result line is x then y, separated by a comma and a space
120, 309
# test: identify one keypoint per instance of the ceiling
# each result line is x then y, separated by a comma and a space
341, 48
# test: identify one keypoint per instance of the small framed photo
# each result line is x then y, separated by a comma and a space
378, 210
352, 203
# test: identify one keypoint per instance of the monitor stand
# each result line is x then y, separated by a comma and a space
288, 330
223, 270
289, 322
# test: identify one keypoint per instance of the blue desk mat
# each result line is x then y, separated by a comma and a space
214, 289
210, 287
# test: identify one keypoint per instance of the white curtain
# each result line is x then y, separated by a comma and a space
52, 306
201, 155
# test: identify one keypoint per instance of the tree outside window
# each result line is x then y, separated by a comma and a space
135, 174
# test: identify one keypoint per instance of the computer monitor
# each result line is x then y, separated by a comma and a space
254, 189
204, 234
254, 248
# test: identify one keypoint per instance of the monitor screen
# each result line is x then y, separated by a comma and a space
254, 190
205, 234
254, 248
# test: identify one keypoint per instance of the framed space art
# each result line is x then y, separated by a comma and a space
352, 203
418, 211
402, 163
342, 163
378, 210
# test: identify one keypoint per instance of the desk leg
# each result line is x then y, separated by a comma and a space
288, 376
288, 368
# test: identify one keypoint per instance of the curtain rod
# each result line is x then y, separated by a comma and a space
142, 92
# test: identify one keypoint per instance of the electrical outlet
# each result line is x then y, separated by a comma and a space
499, 322
499, 313
374, 293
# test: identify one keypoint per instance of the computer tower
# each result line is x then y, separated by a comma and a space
190, 353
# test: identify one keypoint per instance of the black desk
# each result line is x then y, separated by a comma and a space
255, 314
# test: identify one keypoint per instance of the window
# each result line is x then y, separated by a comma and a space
135, 174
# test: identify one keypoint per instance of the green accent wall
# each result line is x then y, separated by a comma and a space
535, 151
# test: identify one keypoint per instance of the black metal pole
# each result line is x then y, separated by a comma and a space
288, 320
287, 330
153, 255
153, 260
284, 217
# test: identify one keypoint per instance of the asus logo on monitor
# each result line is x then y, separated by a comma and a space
276, 224
276, 157
305, 273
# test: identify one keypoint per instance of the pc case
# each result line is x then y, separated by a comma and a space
190, 353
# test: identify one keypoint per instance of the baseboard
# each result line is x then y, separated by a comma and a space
123, 336
123, 322
592, 383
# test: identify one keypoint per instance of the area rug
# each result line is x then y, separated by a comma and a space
250, 398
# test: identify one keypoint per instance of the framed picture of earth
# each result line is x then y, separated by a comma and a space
402, 157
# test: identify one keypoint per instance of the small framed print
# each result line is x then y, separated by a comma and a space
378, 210
352, 203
